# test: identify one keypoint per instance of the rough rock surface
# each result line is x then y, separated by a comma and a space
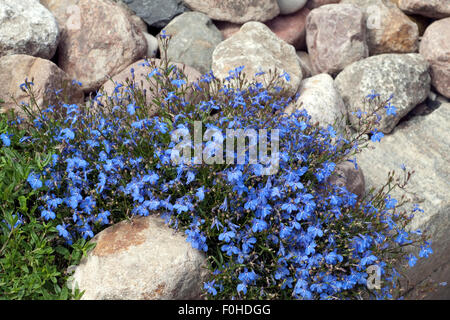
156, 13
258, 49
291, 28
318, 95
428, 8
193, 40
237, 11
389, 30
346, 175
335, 37
27, 27
405, 76
141, 260
152, 45
48, 78
435, 47
290, 6
141, 71
421, 146
106, 42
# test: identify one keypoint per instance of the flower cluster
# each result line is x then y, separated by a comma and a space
291, 234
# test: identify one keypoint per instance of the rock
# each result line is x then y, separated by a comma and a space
141, 260
291, 28
346, 175
389, 30
290, 6
305, 63
257, 49
322, 101
312, 4
27, 27
419, 144
405, 76
193, 40
152, 45
140, 71
421, 22
236, 11
335, 37
435, 47
106, 42
429, 8
156, 13
47, 78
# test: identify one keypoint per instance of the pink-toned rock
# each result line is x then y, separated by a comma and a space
141, 71
47, 79
312, 4
290, 28
106, 42
435, 47
428, 8
335, 37
236, 11
305, 63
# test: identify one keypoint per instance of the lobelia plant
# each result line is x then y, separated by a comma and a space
290, 234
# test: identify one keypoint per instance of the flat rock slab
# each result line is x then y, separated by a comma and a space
422, 145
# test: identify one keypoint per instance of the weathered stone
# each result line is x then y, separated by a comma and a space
428, 8
322, 101
106, 42
141, 71
348, 176
336, 37
156, 13
152, 45
236, 11
27, 27
389, 30
421, 146
141, 260
193, 40
258, 49
291, 28
435, 47
405, 76
312, 4
290, 6
47, 79
305, 63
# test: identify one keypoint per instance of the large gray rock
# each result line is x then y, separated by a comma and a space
428, 8
106, 42
435, 47
193, 40
257, 48
156, 13
405, 76
27, 27
335, 37
348, 176
236, 11
318, 95
389, 30
141, 260
421, 145
48, 79
290, 6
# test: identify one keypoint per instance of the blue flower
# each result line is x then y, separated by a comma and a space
390, 109
209, 286
226, 235
34, 181
5, 139
376, 135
